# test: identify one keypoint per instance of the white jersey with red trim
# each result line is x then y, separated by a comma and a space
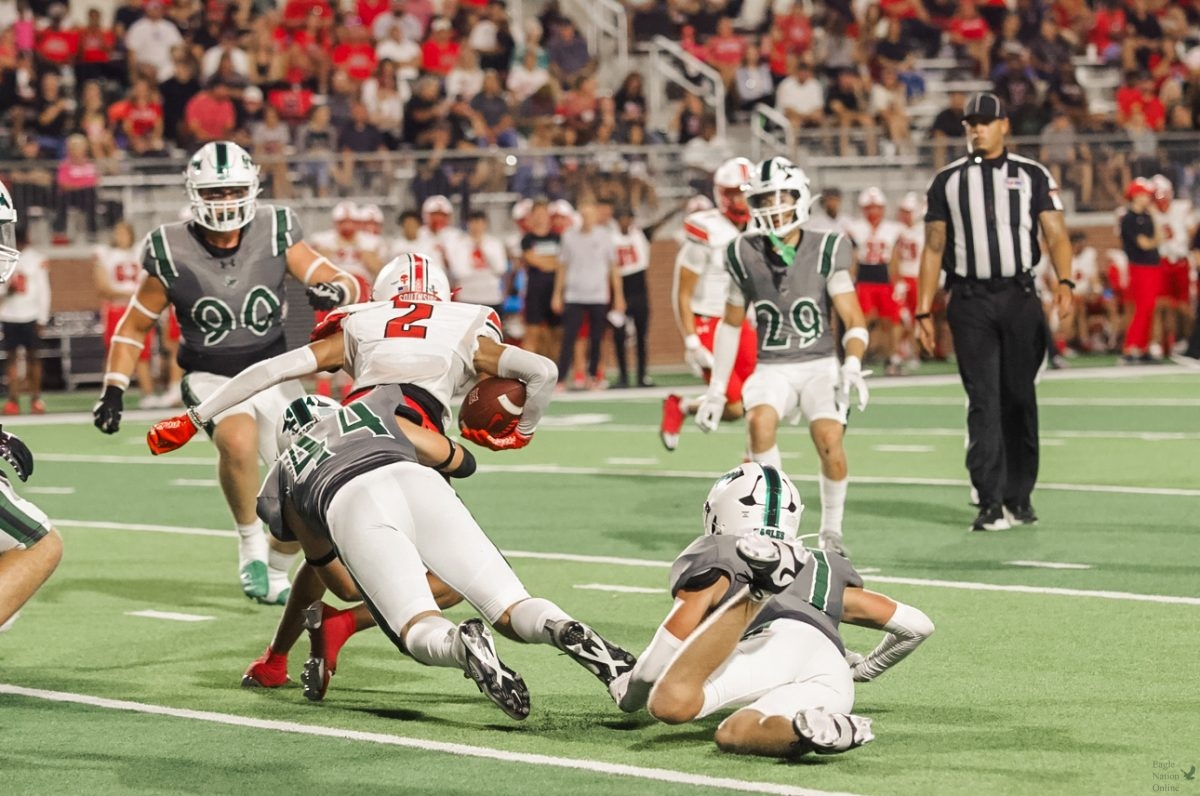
346, 253
430, 344
1085, 272
874, 244
909, 243
1176, 224
426, 243
707, 233
123, 267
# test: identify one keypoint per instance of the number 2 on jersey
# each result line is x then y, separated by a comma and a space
407, 324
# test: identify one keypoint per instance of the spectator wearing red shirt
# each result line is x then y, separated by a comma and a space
356, 55
369, 9
1138, 92
297, 12
58, 43
76, 179
1108, 30
142, 121
439, 53
210, 115
725, 51
97, 48
970, 33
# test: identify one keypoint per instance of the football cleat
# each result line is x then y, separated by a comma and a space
269, 670
589, 649
991, 518
328, 629
672, 422
830, 733
495, 680
253, 576
773, 564
1022, 514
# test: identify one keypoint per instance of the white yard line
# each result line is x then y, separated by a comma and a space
48, 490
617, 588
1047, 565
458, 749
652, 564
169, 615
204, 482
903, 448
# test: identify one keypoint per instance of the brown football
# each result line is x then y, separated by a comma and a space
493, 405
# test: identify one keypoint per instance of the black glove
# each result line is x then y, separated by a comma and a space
16, 453
107, 411
325, 295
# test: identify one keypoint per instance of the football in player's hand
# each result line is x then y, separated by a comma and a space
493, 405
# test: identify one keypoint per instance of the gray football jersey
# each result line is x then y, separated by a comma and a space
230, 306
361, 437
815, 597
704, 560
789, 301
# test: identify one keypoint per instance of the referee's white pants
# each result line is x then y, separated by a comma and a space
788, 667
393, 523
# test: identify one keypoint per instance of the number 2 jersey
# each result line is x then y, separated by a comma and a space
359, 438
815, 597
430, 344
230, 304
790, 297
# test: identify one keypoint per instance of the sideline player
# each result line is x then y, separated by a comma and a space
1177, 222
789, 276
906, 265
223, 272
116, 270
30, 547
785, 661
698, 295
875, 279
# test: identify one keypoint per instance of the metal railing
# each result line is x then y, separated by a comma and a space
606, 31
771, 134
670, 63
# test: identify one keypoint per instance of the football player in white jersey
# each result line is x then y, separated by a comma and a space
116, 270
875, 237
437, 217
224, 272
906, 263
1177, 221
413, 336
698, 294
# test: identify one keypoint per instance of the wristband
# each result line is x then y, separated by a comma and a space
1068, 282
691, 342
920, 316
116, 381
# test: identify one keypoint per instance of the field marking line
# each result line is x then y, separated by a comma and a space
652, 564
204, 482
1047, 565
48, 490
619, 589
171, 615
462, 750
903, 448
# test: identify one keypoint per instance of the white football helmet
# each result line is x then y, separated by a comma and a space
8, 234
779, 196
754, 498
730, 178
222, 186
1163, 189
301, 415
414, 277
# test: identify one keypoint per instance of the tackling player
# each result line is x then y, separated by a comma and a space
30, 547
698, 296
782, 661
223, 272
790, 275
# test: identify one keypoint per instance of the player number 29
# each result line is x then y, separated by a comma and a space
805, 318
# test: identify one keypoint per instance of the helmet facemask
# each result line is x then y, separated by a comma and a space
778, 211
222, 187
8, 235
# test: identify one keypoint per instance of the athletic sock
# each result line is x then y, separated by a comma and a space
770, 456
252, 543
833, 503
530, 619
434, 641
339, 626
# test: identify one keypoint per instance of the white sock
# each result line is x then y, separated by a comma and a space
691, 405
769, 456
833, 503
280, 563
434, 641
530, 617
252, 544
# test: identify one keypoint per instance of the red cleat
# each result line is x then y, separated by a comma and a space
672, 422
269, 670
11, 407
328, 629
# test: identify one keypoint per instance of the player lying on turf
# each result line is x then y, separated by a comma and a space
30, 547
773, 650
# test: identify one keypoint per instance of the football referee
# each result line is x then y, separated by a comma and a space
981, 229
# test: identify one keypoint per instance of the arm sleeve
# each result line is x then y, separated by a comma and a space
539, 374
255, 379
907, 628
725, 349
649, 667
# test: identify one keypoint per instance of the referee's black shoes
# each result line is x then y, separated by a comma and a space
991, 518
1021, 514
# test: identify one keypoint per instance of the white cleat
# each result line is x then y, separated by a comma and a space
830, 733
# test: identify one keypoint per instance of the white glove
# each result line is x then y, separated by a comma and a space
708, 416
855, 661
697, 357
853, 378
900, 292
618, 686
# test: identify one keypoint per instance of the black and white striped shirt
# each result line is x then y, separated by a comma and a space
991, 209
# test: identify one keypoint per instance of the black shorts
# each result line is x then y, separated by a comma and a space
539, 290
21, 335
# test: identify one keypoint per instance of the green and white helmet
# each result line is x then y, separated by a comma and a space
301, 415
8, 234
778, 195
222, 186
754, 499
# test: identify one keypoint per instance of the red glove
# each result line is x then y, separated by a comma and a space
171, 434
506, 443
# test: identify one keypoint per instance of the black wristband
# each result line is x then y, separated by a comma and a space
1068, 282
920, 316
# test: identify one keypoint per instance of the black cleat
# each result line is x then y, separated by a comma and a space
495, 680
991, 518
589, 649
1021, 514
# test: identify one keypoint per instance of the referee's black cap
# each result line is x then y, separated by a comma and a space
985, 107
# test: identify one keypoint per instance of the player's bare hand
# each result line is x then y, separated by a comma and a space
1064, 302
171, 434
925, 335
106, 414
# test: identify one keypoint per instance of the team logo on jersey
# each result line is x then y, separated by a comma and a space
231, 281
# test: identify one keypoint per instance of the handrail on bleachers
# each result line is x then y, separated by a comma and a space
607, 22
770, 131
671, 63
